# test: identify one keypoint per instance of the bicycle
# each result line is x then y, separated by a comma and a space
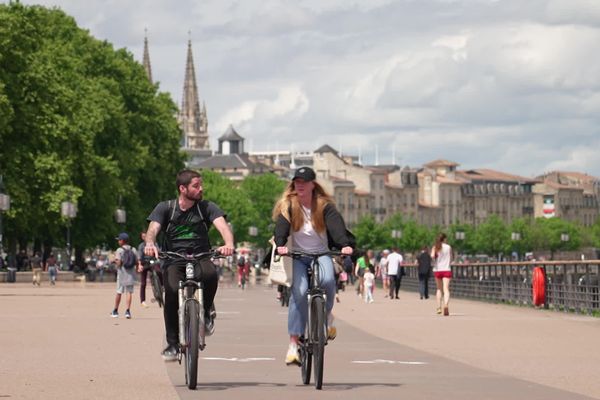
312, 343
192, 332
157, 288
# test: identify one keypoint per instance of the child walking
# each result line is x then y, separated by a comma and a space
369, 279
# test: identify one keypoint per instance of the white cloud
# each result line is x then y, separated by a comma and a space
506, 84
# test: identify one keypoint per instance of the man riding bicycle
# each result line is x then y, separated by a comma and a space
307, 214
185, 222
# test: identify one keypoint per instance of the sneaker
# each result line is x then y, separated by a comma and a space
446, 311
438, 311
144, 304
114, 314
170, 353
127, 314
331, 329
292, 357
209, 325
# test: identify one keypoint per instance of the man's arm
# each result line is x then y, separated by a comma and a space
226, 234
151, 234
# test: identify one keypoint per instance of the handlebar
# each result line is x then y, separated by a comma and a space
299, 254
189, 257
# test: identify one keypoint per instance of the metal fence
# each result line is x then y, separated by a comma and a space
570, 285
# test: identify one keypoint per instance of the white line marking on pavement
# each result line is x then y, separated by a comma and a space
227, 312
379, 361
235, 359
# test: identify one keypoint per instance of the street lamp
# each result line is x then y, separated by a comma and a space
564, 237
253, 231
120, 214
4, 206
459, 235
68, 210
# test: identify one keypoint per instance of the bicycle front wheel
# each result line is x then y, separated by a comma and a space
192, 313
318, 338
305, 361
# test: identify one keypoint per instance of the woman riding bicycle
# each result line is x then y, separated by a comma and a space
307, 214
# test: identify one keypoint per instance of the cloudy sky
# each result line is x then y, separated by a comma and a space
511, 85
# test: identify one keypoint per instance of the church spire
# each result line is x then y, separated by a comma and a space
147, 66
192, 121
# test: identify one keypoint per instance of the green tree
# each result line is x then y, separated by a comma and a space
548, 235
370, 234
79, 121
492, 237
239, 209
262, 191
462, 246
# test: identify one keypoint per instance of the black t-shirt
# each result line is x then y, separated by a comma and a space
188, 230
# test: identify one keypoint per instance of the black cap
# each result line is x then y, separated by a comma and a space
305, 173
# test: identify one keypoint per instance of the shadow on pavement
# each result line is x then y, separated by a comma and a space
218, 386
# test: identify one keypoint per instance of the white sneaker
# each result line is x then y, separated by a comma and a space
292, 357
144, 304
331, 329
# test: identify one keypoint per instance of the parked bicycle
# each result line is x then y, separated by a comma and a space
192, 332
312, 343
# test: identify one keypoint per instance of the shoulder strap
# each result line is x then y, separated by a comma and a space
172, 206
201, 214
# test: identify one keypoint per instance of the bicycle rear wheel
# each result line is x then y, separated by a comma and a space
192, 313
305, 361
157, 288
318, 338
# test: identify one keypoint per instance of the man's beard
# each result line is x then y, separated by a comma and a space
197, 198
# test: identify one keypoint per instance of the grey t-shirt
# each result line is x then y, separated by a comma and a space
125, 277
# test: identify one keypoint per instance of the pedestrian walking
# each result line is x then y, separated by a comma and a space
424, 267
36, 268
349, 268
382, 271
441, 254
395, 272
369, 280
51, 267
359, 271
126, 259
144, 268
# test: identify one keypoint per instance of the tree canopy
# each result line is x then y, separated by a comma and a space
79, 121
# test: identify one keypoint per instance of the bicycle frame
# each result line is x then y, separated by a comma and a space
313, 342
191, 312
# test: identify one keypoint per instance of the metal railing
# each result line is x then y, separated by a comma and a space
570, 285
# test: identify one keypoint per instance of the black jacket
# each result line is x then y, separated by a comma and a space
424, 262
337, 234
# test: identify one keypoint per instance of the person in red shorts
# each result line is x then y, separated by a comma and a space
441, 256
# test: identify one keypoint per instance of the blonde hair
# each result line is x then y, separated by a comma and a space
288, 204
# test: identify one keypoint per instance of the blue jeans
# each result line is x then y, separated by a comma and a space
298, 311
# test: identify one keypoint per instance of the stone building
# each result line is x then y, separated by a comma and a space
231, 161
572, 196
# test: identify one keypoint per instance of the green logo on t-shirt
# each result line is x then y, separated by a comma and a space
184, 232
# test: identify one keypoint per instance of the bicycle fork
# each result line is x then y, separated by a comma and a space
184, 298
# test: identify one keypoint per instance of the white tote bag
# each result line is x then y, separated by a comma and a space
280, 271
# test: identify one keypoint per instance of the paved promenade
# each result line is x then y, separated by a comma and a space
59, 343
